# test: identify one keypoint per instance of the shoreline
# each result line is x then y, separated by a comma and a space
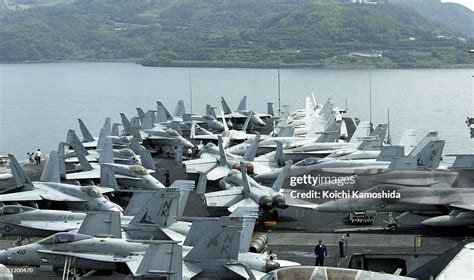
240, 65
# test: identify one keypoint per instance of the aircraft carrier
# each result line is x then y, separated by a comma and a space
297, 231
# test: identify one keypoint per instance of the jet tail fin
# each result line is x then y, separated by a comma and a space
161, 209
51, 169
61, 159
245, 179
127, 126
86, 135
388, 153
243, 104
185, 187
279, 153
193, 130
362, 132
105, 131
252, 150
107, 153
145, 155
225, 107
270, 109
137, 201
162, 260
141, 114
202, 184
115, 129
163, 113
431, 155
371, 144
147, 122
223, 156
224, 123
249, 216
74, 141
281, 177
103, 224
247, 121
107, 177
81, 152
21, 179
210, 111
179, 110
220, 239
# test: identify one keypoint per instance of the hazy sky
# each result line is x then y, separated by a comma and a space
467, 3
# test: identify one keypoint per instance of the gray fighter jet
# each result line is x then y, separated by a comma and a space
156, 217
156, 135
217, 164
242, 113
90, 171
426, 154
85, 198
242, 191
210, 256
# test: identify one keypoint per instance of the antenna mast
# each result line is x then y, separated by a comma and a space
279, 92
190, 91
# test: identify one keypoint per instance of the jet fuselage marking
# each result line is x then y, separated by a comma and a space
227, 243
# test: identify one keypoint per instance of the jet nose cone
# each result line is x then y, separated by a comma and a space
188, 144
271, 265
4, 257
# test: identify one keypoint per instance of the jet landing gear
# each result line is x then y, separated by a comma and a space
392, 222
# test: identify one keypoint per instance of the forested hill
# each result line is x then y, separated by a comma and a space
454, 16
237, 33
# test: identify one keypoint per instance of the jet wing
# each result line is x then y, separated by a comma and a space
190, 270
95, 257
469, 207
224, 198
206, 137
173, 235
218, 173
22, 196
248, 202
51, 225
200, 165
240, 270
295, 202
83, 175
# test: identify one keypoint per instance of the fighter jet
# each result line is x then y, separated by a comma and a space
242, 191
155, 135
91, 142
184, 119
210, 255
242, 114
149, 215
85, 198
426, 154
90, 171
217, 163
124, 155
230, 136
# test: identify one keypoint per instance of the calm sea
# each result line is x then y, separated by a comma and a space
39, 102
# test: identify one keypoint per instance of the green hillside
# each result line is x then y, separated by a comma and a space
224, 33
454, 16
